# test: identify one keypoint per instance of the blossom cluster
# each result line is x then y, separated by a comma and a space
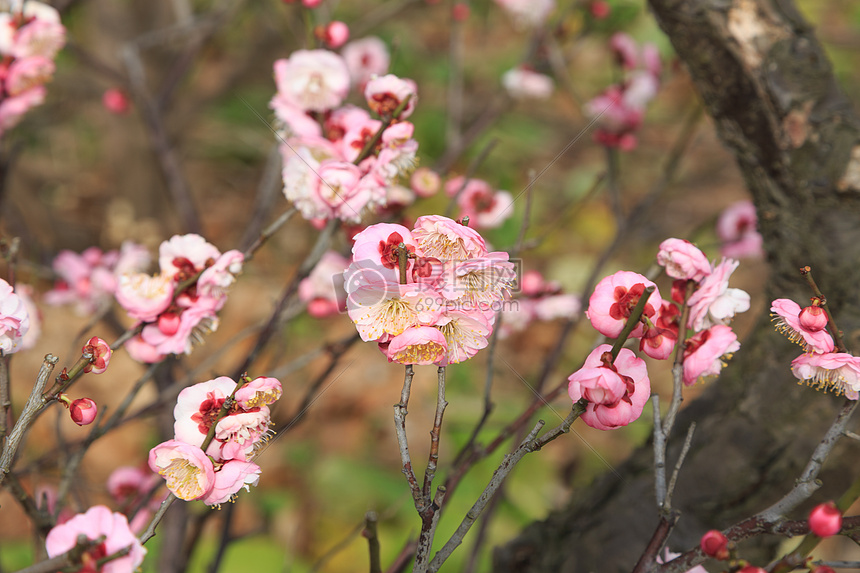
485, 207
179, 304
617, 388
538, 299
820, 365
427, 295
30, 37
14, 319
619, 110
236, 418
339, 160
89, 279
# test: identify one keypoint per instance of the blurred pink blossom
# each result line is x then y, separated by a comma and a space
365, 58
312, 80
737, 229
525, 83
14, 319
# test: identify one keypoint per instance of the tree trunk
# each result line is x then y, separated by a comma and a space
767, 83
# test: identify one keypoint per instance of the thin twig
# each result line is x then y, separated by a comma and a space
35, 403
400, 429
530, 444
667, 505
433, 459
370, 519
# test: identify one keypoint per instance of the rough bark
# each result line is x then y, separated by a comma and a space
768, 85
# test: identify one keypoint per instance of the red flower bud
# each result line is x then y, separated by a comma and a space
752, 569
715, 544
813, 318
825, 519
83, 411
823, 569
600, 9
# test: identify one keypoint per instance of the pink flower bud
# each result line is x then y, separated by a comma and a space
115, 101
168, 323
83, 411
825, 519
311, 3
101, 353
600, 9
813, 318
823, 569
715, 544
336, 34
752, 569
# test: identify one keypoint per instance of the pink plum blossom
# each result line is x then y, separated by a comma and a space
258, 392
197, 407
466, 333
322, 290
384, 94
661, 332
101, 353
83, 411
365, 58
417, 345
526, 84
836, 371
631, 396
704, 352
615, 297
425, 182
447, 240
240, 434
737, 229
142, 351
293, 121
188, 471
599, 384
397, 153
127, 484
177, 333
377, 245
14, 319
683, 260
714, 302
380, 307
98, 521
217, 278
482, 281
313, 80
39, 37
787, 315
232, 477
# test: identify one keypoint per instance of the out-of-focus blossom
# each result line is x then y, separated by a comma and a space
98, 521
384, 94
737, 229
527, 13
425, 182
14, 319
485, 207
323, 290
525, 83
312, 80
365, 58
335, 34
25, 292
116, 101
600, 9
